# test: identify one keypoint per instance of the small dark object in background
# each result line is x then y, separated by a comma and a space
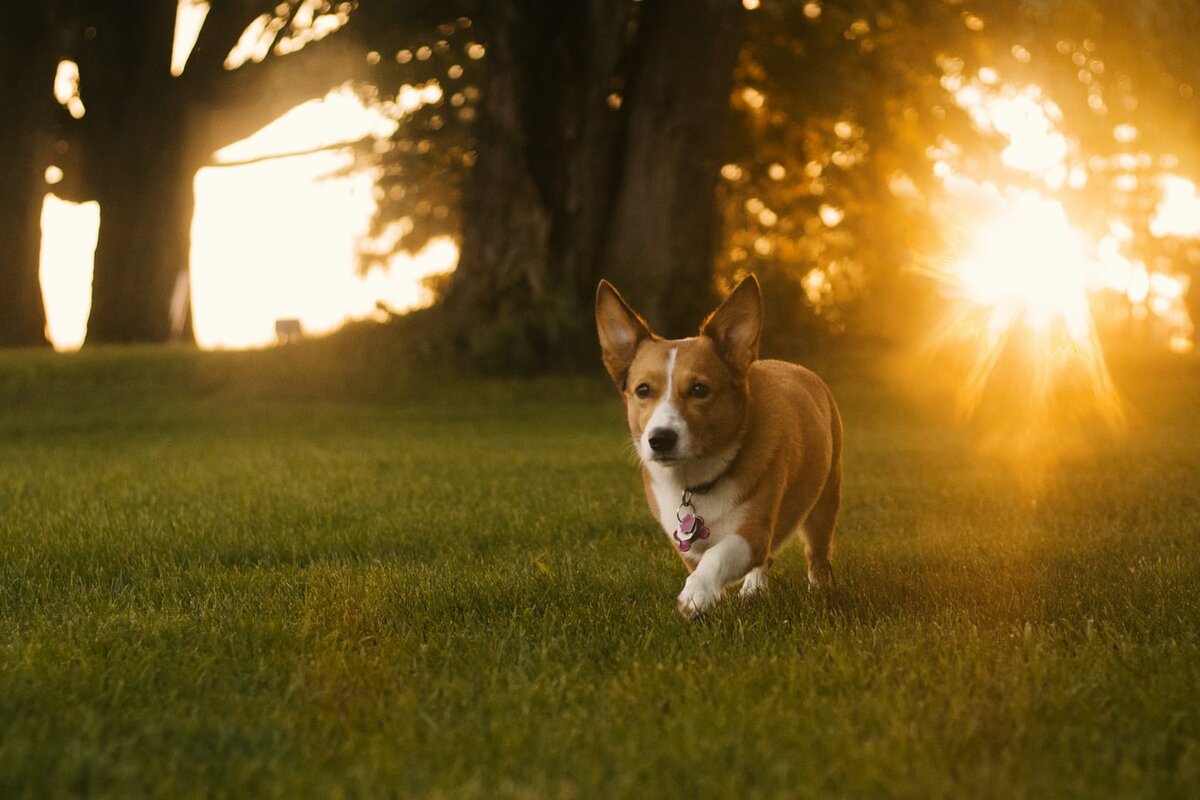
288, 331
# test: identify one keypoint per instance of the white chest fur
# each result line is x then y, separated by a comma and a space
718, 507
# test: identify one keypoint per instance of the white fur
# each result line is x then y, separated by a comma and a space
718, 507
721, 558
666, 415
723, 563
724, 556
755, 582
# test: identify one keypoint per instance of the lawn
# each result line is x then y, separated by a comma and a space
323, 571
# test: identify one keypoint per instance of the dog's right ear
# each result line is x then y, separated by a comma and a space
621, 331
736, 326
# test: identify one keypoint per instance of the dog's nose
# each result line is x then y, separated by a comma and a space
662, 440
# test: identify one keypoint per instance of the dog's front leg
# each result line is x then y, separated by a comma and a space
722, 564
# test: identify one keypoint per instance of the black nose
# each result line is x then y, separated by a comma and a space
662, 440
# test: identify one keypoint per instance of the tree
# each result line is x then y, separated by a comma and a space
665, 232
147, 133
832, 190
592, 150
27, 60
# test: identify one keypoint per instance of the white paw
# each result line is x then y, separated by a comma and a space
820, 576
696, 599
754, 583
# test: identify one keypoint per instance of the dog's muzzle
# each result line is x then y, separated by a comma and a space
662, 441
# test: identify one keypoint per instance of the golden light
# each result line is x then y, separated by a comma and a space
753, 98
68, 246
273, 236
255, 42
1178, 214
1021, 290
278, 237
831, 216
1022, 275
1125, 133
189, 19
66, 88
1024, 118
1026, 264
1021, 271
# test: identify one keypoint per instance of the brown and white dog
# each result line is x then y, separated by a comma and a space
738, 455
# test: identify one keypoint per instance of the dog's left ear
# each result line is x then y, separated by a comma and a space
736, 326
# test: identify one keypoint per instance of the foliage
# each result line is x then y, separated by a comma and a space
846, 107
828, 187
829, 180
426, 72
294, 573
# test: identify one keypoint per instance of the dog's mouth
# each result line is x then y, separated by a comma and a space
665, 460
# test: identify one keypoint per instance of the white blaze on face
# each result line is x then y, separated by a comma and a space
666, 416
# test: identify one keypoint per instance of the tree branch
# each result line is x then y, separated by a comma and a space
292, 154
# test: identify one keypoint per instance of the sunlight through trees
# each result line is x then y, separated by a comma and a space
865, 159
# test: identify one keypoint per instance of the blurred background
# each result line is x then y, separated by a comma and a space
971, 178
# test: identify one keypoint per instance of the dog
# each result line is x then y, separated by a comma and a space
738, 455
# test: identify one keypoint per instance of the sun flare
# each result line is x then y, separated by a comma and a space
1027, 265
1019, 272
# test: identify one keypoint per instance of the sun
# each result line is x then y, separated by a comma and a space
1019, 296
1027, 264
1018, 272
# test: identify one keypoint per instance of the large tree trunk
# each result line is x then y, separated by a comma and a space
568, 144
536, 203
146, 205
26, 105
665, 230
136, 146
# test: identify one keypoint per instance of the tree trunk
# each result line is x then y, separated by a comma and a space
146, 205
537, 199
26, 105
568, 160
665, 230
136, 147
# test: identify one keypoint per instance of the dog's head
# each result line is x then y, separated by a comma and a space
685, 399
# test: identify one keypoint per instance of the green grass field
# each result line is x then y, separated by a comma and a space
320, 572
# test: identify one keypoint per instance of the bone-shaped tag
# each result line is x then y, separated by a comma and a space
691, 528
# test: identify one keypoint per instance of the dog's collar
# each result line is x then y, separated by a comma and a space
691, 524
707, 486
704, 488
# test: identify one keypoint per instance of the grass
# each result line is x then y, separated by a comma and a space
323, 572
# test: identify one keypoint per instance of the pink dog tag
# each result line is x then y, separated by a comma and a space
691, 528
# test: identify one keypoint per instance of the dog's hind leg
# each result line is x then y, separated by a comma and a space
818, 530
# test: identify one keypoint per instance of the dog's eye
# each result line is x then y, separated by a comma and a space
642, 390
699, 391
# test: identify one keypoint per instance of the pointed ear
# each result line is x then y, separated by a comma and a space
736, 326
621, 331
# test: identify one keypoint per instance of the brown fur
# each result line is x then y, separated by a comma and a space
779, 417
